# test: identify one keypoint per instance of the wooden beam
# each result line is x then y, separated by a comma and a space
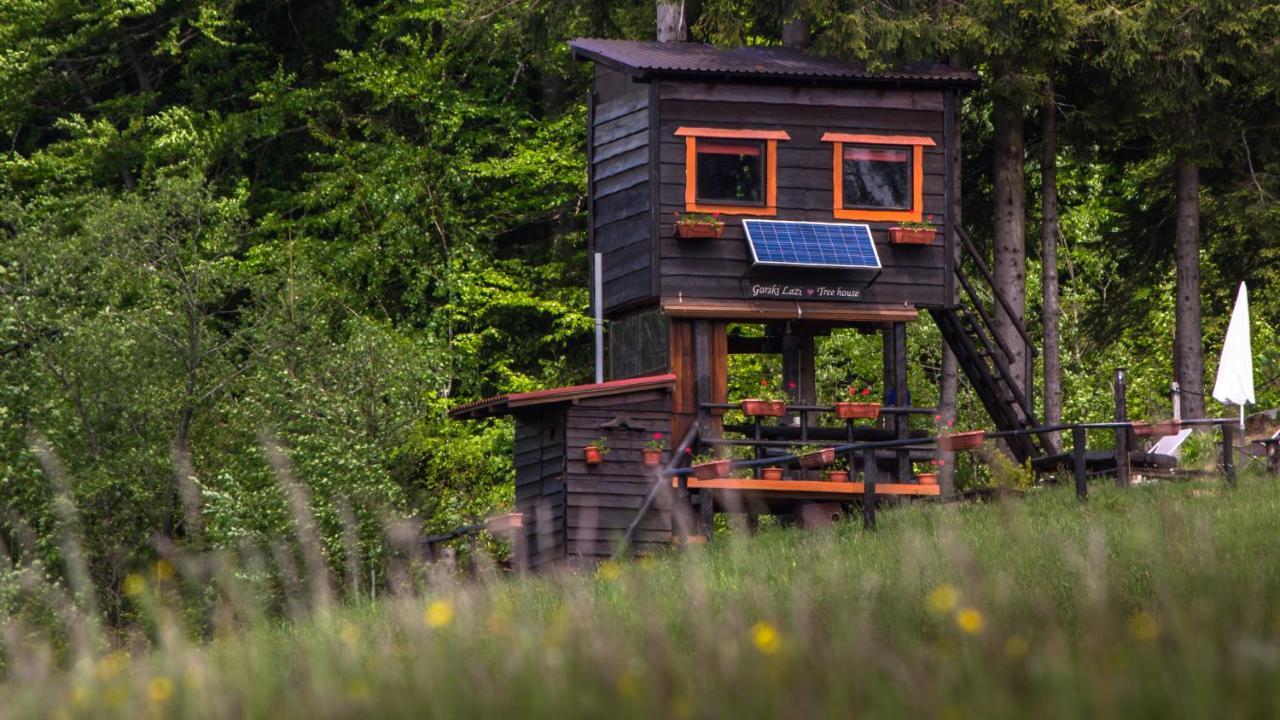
806, 487
763, 310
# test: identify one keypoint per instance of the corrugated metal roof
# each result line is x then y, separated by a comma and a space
500, 404
648, 58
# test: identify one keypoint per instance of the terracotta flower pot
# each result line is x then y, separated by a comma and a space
764, 408
907, 236
592, 455
927, 478
962, 440
711, 470
818, 458
1157, 429
689, 231
771, 473
837, 476
857, 410
652, 456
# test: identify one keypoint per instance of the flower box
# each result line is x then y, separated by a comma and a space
961, 440
857, 410
909, 236
592, 455
818, 458
764, 408
927, 478
771, 473
651, 457
837, 476
711, 470
690, 231
1157, 429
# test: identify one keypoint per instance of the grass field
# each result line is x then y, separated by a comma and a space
1156, 601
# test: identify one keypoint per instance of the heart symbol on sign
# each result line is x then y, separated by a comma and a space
810, 291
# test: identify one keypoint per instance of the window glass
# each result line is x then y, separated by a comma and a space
731, 172
877, 177
637, 344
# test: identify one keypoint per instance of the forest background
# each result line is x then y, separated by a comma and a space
230, 226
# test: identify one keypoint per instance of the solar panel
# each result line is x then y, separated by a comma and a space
811, 244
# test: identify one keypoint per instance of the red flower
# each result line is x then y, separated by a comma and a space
938, 418
657, 436
866, 391
688, 451
764, 382
791, 385
951, 423
929, 218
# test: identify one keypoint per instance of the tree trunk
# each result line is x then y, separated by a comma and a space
671, 24
1052, 312
1010, 231
1189, 348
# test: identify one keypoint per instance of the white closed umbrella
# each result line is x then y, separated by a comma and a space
1234, 383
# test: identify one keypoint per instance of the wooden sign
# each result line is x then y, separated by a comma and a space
791, 291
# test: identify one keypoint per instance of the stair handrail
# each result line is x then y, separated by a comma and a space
691, 437
991, 282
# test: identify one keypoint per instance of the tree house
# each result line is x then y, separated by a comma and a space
762, 186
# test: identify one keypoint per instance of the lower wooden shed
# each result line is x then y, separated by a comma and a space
574, 512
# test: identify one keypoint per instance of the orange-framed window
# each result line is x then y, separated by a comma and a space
878, 177
731, 171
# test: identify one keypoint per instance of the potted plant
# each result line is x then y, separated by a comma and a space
652, 449
951, 441
771, 403
838, 471
698, 225
930, 477
595, 451
814, 456
912, 232
862, 407
1158, 428
772, 472
708, 467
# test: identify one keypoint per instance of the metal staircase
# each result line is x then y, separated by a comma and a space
987, 359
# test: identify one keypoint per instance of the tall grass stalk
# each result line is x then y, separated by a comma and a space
1151, 601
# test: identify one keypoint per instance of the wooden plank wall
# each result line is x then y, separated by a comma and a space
622, 196
602, 500
540, 491
718, 268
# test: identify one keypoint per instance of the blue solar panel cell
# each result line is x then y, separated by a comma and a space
811, 244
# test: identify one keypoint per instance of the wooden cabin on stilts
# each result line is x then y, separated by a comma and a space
766, 187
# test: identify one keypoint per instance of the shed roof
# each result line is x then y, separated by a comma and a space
646, 59
502, 404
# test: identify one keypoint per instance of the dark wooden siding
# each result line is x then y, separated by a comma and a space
540, 491
722, 268
602, 500
621, 186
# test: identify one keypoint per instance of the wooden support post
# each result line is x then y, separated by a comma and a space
706, 514
869, 473
1078, 450
901, 423
681, 513
1122, 434
1229, 453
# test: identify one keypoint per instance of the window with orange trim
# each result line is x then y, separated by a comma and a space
877, 177
731, 171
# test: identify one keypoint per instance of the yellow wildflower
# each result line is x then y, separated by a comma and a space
970, 620
608, 571
438, 614
1143, 627
164, 570
111, 665
134, 584
765, 637
1016, 647
943, 599
159, 689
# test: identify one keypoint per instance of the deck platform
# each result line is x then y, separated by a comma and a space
803, 489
